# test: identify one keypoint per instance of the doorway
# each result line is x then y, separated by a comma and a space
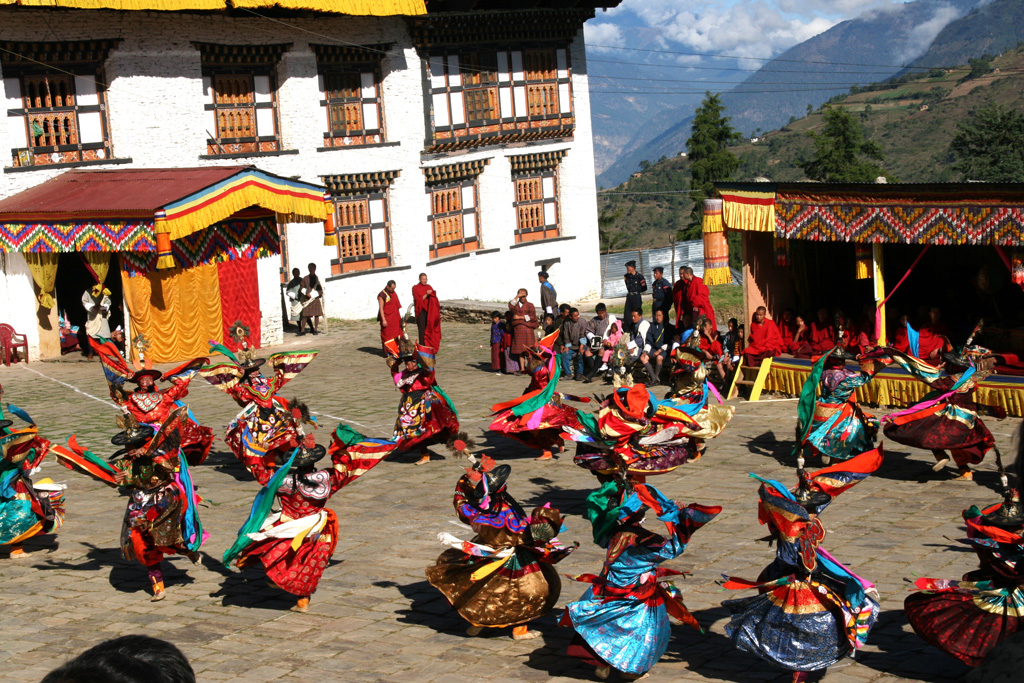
73, 279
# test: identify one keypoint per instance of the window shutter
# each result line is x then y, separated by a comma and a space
564, 98
469, 224
85, 93
454, 77
368, 80
441, 116
370, 121
90, 127
517, 66
563, 63
436, 65
261, 86
503, 75
458, 110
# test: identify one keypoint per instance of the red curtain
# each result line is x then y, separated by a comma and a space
240, 299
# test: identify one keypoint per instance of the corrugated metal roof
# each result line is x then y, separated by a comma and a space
123, 192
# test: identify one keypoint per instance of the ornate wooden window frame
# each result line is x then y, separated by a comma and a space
362, 62
537, 195
362, 220
256, 67
53, 125
528, 104
454, 195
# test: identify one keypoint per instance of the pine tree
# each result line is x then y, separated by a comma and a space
710, 159
990, 146
839, 149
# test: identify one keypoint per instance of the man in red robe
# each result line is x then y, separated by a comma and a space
698, 296
764, 341
934, 337
389, 314
679, 299
823, 334
428, 313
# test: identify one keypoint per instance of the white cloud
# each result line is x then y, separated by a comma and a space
603, 34
922, 35
751, 29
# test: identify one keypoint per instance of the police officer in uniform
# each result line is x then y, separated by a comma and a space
636, 285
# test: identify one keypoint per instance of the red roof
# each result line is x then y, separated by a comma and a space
121, 192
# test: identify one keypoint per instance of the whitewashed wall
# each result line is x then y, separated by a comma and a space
157, 119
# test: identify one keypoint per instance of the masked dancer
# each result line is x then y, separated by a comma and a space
27, 508
161, 517
266, 421
503, 576
148, 404
290, 529
622, 621
536, 418
811, 611
426, 415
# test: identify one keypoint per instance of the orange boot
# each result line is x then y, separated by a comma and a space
302, 605
523, 632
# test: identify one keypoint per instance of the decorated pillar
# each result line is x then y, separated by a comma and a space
716, 248
864, 257
879, 285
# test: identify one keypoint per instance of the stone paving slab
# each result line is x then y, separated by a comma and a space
375, 617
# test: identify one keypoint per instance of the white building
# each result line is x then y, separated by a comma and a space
455, 143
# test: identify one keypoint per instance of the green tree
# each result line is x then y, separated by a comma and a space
710, 160
842, 152
990, 145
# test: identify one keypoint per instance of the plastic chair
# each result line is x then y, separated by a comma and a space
10, 342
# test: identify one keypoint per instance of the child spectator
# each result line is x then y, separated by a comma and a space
497, 332
511, 362
731, 343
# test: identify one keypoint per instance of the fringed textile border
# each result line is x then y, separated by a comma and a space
65, 237
749, 210
893, 387
225, 241
294, 201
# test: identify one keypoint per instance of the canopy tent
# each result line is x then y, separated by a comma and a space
806, 241
188, 240
379, 8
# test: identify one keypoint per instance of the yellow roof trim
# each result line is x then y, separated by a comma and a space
378, 8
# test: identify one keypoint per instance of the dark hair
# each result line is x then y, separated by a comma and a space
573, 310
600, 307
549, 315
296, 272
658, 269
734, 321
495, 314
128, 659
390, 282
565, 307
638, 310
311, 266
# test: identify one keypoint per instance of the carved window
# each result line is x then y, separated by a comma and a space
454, 218
364, 232
240, 87
536, 206
352, 101
57, 103
487, 97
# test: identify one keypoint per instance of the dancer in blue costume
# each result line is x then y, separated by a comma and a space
622, 621
810, 610
834, 425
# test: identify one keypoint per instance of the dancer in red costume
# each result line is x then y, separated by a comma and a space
151, 405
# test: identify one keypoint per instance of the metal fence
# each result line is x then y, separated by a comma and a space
613, 265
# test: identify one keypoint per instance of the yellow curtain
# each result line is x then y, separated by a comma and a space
43, 267
99, 261
178, 311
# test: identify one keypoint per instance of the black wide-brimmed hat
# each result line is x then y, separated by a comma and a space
496, 479
147, 372
304, 459
133, 437
252, 365
4, 424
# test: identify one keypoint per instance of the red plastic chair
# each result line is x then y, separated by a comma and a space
10, 342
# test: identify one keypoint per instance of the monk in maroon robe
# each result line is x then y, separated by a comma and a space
934, 337
764, 341
679, 299
524, 322
428, 313
389, 313
823, 334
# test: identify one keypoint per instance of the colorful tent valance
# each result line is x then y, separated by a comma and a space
749, 209
153, 210
379, 8
945, 214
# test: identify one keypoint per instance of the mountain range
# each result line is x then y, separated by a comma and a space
873, 47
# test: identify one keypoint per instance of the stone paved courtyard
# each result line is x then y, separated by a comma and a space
375, 618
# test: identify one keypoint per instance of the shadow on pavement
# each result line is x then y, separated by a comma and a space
250, 587
427, 607
908, 656
126, 576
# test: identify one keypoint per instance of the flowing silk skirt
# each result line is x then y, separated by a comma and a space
424, 419
520, 590
841, 430
964, 624
539, 429
297, 571
629, 634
